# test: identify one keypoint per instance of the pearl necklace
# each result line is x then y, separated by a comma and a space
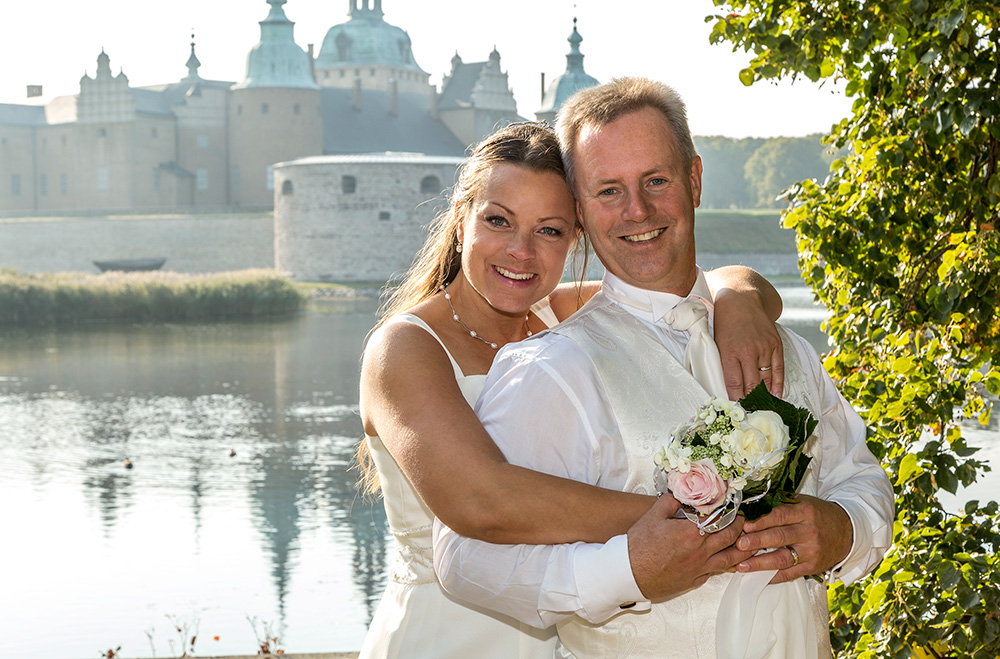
472, 332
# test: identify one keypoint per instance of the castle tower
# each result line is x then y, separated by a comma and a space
105, 98
274, 114
368, 49
571, 81
476, 98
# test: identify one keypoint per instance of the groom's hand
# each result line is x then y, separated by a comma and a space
669, 556
819, 531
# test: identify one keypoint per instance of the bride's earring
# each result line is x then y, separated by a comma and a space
458, 247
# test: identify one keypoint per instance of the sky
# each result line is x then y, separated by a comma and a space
54, 42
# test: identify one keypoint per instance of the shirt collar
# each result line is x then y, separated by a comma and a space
652, 305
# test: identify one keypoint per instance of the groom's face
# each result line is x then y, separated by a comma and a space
636, 200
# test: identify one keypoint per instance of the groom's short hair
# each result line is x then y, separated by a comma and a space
603, 104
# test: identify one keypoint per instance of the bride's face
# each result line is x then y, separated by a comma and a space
516, 236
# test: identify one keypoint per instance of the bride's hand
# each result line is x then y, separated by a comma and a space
748, 342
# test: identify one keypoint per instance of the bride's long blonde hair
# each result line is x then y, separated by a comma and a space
529, 144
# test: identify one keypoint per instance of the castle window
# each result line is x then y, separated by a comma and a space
371, 72
64, 140
383, 215
236, 178
152, 132
156, 179
326, 74
202, 141
103, 132
43, 185
348, 184
297, 109
15, 185
286, 187
343, 43
202, 179
430, 185
63, 184
102, 178
264, 108
270, 177
239, 109
343, 73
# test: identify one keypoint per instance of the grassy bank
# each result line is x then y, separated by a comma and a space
33, 300
742, 232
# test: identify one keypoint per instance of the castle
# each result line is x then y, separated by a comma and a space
202, 145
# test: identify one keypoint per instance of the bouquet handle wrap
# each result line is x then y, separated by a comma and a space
758, 620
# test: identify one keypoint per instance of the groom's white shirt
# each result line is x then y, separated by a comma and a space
545, 406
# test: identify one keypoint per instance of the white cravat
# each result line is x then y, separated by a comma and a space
701, 356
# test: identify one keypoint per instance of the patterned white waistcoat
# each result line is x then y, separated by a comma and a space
651, 393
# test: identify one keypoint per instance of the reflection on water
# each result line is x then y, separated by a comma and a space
239, 502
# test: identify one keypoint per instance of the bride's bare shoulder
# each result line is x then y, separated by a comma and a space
567, 298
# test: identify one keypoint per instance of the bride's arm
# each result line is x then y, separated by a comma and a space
410, 399
746, 308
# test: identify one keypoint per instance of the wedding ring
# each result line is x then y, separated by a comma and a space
764, 368
795, 555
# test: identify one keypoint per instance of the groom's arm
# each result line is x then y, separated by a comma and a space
543, 406
860, 521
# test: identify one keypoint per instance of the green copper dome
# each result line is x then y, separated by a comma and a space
570, 82
366, 40
277, 61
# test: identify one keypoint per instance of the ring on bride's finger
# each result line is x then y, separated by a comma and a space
764, 369
795, 555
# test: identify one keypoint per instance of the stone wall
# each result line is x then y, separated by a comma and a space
190, 243
356, 218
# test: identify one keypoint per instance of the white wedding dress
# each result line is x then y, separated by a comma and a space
416, 619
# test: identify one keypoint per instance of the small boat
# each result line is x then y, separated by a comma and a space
130, 265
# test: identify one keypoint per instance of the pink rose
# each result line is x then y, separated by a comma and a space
700, 487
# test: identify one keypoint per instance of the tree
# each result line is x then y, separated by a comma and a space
782, 161
901, 245
724, 181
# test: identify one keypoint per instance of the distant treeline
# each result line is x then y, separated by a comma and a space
751, 172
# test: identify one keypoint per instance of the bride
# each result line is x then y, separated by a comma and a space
488, 275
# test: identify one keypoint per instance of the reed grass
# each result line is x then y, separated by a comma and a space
32, 300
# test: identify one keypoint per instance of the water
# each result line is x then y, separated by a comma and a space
98, 555
239, 503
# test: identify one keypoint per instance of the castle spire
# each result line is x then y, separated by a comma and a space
192, 63
277, 61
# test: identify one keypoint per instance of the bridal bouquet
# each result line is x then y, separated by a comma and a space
746, 454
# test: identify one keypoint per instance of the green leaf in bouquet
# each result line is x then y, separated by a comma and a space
799, 421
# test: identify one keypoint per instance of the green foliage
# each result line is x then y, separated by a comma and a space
900, 244
751, 172
782, 161
64, 299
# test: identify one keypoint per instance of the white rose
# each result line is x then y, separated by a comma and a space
763, 440
747, 445
774, 429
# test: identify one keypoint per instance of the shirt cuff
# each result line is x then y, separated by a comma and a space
605, 582
853, 567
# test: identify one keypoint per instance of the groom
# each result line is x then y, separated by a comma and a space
595, 398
